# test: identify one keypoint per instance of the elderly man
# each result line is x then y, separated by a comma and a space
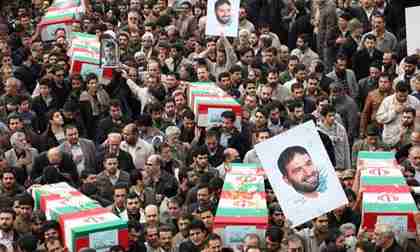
54, 158
385, 238
164, 183
138, 149
82, 150
22, 155
112, 146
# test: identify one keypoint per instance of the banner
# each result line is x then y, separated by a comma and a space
301, 174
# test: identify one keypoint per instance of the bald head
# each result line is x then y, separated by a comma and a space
231, 154
54, 156
152, 215
114, 141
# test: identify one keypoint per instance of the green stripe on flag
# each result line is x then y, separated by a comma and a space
383, 181
241, 212
381, 207
375, 155
58, 15
98, 227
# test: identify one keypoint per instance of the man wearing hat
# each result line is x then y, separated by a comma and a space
372, 142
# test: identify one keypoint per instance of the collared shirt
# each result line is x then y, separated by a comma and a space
114, 178
139, 152
78, 157
7, 239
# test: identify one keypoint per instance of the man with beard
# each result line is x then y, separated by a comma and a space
203, 199
223, 11
389, 64
9, 187
407, 125
345, 77
165, 239
338, 136
409, 71
183, 223
316, 235
299, 172
303, 51
373, 101
8, 235
200, 163
152, 239
132, 208
364, 57
25, 204
215, 150
369, 83
347, 108
298, 95
391, 110
198, 235
385, 238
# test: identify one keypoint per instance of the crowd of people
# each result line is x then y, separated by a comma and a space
132, 143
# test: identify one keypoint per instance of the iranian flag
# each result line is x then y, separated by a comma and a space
84, 56
374, 159
59, 189
55, 206
61, 15
382, 176
98, 228
242, 201
392, 205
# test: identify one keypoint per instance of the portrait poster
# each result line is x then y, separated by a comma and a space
109, 52
301, 174
222, 18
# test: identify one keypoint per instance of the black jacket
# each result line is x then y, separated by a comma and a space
66, 166
362, 60
41, 108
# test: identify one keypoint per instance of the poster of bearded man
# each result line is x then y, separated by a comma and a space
301, 174
222, 18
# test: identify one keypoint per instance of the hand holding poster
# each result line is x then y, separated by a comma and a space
222, 18
301, 174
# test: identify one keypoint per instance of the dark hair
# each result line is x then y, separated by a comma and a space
25, 199
287, 155
411, 59
327, 109
135, 175
188, 114
402, 86
86, 173
50, 224
340, 57
296, 85
263, 111
223, 75
365, 246
132, 195
229, 115
8, 170
132, 224
27, 243
409, 110
370, 37
198, 224
200, 151
114, 103
263, 130
91, 76
145, 120
120, 186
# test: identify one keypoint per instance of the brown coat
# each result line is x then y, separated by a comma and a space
372, 103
